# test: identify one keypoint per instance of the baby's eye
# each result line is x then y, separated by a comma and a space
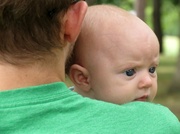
130, 72
152, 69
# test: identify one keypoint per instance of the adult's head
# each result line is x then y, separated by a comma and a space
38, 32
115, 57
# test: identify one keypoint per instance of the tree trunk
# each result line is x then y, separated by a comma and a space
157, 22
140, 8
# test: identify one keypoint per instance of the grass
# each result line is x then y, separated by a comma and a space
165, 71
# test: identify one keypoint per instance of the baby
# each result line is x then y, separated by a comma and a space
115, 57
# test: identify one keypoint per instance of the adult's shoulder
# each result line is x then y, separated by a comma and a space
141, 117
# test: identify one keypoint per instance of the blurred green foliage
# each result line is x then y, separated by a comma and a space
170, 18
126, 4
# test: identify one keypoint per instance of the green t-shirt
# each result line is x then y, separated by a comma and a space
54, 109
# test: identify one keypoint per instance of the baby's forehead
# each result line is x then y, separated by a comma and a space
115, 26
120, 40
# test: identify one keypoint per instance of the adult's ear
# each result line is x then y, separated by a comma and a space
80, 77
74, 18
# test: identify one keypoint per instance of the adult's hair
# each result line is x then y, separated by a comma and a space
29, 29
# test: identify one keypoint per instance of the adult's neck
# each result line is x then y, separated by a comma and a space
12, 77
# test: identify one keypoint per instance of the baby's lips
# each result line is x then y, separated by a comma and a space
143, 98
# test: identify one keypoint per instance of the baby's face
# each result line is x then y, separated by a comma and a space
125, 67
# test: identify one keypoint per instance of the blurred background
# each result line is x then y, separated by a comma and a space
163, 16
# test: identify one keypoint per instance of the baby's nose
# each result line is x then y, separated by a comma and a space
145, 82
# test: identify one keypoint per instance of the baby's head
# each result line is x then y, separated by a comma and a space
115, 57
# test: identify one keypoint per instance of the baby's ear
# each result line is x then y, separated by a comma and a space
80, 77
74, 18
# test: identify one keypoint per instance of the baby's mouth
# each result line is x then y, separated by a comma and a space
143, 98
